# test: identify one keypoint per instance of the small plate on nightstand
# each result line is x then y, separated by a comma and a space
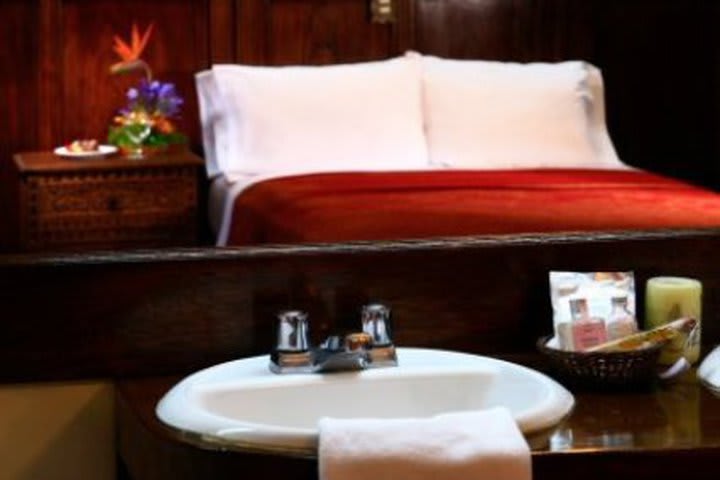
102, 151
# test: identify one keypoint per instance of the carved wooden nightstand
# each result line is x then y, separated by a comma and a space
114, 202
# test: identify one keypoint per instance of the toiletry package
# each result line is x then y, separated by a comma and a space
592, 308
658, 335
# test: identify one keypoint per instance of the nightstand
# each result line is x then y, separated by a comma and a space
112, 202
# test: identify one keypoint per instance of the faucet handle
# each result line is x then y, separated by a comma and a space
376, 323
357, 342
292, 331
292, 351
352, 342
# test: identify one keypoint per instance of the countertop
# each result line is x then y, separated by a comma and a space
669, 429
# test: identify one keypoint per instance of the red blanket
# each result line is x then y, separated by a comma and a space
395, 205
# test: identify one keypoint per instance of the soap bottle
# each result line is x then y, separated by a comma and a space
563, 331
563, 318
587, 331
621, 322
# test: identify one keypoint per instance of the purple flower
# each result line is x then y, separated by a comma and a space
168, 101
132, 94
155, 98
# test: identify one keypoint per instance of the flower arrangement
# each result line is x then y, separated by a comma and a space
148, 118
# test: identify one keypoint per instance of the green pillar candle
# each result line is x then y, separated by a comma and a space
670, 298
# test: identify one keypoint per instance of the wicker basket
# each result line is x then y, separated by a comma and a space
604, 370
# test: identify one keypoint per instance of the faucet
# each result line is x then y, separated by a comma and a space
370, 348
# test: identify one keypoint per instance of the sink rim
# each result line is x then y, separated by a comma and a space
195, 425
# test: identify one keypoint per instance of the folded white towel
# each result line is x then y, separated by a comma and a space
475, 445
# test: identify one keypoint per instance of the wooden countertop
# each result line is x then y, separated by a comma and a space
669, 430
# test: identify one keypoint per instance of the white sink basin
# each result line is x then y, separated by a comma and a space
242, 405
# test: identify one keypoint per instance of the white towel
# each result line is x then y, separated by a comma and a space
474, 445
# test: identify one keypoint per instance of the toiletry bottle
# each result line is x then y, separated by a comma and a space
587, 331
563, 331
562, 317
621, 322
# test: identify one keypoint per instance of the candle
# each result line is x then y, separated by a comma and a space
670, 298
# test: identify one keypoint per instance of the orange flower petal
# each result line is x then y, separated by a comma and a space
145, 38
137, 43
135, 38
122, 49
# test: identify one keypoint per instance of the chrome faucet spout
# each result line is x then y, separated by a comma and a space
340, 362
355, 351
349, 353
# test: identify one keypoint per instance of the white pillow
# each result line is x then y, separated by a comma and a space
494, 115
213, 122
600, 136
365, 116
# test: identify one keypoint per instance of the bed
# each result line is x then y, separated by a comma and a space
336, 207
419, 147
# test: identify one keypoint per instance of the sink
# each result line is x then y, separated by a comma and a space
242, 405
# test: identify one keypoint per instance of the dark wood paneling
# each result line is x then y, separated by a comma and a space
49, 89
281, 32
661, 62
223, 31
157, 312
19, 64
18, 76
517, 30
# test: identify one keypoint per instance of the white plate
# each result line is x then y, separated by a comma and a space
102, 151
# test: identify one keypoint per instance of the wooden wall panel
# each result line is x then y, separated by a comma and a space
18, 75
49, 88
661, 63
222, 31
281, 32
19, 66
518, 30
157, 312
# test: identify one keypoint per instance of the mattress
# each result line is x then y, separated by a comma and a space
338, 207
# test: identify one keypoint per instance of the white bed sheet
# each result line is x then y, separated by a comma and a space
223, 191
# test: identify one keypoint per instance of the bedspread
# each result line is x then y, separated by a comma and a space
332, 207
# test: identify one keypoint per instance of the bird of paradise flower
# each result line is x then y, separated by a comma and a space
130, 53
151, 104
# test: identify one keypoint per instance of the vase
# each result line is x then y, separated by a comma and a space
137, 133
145, 151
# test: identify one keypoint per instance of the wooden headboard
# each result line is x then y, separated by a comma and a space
659, 57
